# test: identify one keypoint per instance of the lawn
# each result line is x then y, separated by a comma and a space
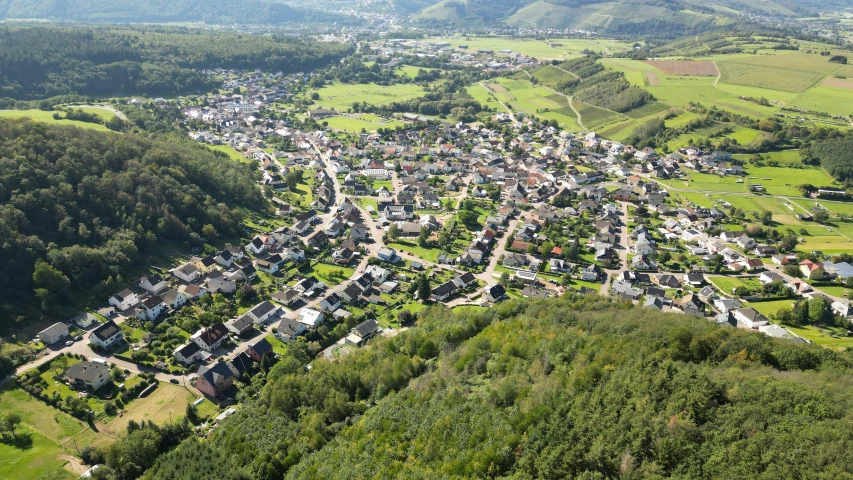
829, 244
47, 117
411, 71
826, 99
830, 338
728, 284
362, 121
40, 460
331, 275
340, 96
278, 346
234, 154
769, 309
428, 254
165, 404
54, 424
368, 201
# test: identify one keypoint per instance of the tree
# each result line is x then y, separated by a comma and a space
209, 231
424, 288
423, 237
467, 218
766, 217
546, 248
393, 231
59, 364
405, 317
9, 422
793, 270
821, 216
50, 279
664, 256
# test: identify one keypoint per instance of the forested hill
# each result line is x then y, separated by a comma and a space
78, 207
46, 61
621, 16
561, 388
152, 11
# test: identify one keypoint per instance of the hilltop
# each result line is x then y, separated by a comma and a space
627, 16
562, 388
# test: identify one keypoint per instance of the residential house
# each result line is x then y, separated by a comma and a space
750, 318
690, 304
812, 270
261, 312
124, 299
331, 303
106, 335
214, 380
311, 318
289, 329
211, 338
259, 349
240, 325
150, 309
591, 273
443, 291
188, 354
86, 375
240, 364
186, 272
221, 285
174, 298
152, 284
495, 293
53, 333
362, 332
693, 279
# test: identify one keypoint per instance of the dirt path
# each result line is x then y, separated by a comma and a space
511, 115
719, 73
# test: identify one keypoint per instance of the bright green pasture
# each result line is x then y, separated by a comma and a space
357, 122
341, 96
47, 117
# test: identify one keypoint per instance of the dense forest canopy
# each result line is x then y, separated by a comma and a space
47, 61
563, 388
78, 207
834, 155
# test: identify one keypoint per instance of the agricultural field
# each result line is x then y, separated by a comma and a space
340, 96
594, 117
684, 67
357, 121
522, 96
827, 99
767, 77
777, 180
411, 71
541, 49
47, 117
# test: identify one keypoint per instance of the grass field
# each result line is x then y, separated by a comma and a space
831, 100
767, 77
594, 117
367, 121
47, 117
769, 309
727, 284
341, 96
777, 180
166, 403
411, 71
42, 460
330, 274
234, 154
428, 254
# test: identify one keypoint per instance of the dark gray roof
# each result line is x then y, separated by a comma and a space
366, 328
86, 371
106, 331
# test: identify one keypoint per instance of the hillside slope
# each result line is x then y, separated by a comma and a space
562, 388
209, 11
79, 207
629, 16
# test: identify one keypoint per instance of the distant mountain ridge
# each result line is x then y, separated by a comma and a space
615, 15
208, 11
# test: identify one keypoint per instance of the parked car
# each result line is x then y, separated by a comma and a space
174, 380
69, 343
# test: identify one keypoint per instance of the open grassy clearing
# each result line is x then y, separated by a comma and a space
777, 180
769, 309
367, 121
728, 284
330, 274
166, 403
41, 460
828, 244
234, 154
411, 71
428, 254
830, 338
831, 100
340, 96
594, 117
767, 77
708, 95
47, 117
784, 157
774, 96
684, 67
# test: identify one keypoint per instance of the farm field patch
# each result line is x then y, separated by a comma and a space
541, 49
594, 117
47, 117
357, 122
826, 99
767, 77
708, 95
684, 67
340, 96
